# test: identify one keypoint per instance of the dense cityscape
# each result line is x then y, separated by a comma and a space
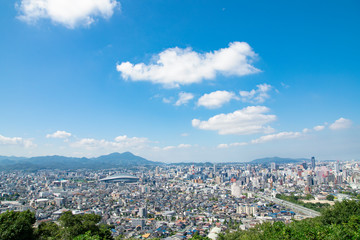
179, 120
178, 201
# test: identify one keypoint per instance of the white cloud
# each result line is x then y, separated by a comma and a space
341, 123
184, 134
306, 130
215, 99
59, 134
120, 142
131, 140
175, 66
258, 95
223, 145
184, 145
319, 128
277, 136
16, 141
184, 98
177, 147
70, 13
236, 144
166, 100
169, 148
248, 120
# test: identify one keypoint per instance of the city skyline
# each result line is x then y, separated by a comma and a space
180, 81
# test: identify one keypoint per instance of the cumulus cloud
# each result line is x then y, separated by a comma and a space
277, 136
59, 134
16, 141
341, 123
248, 120
319, 128
120, 142
258, 95
175, 66
184, 98
215, 99
70, 13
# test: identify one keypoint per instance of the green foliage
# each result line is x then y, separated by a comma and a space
17, 225
196, 236
47, 231
341, 212
75, 225
309, 196
297, 200
330, 197
87, 236
12, 197
340, 222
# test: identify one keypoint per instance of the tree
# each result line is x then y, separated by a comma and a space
87, 236
196, 236
17, 225
340, 212
330, 197
75, 225
47, 230
340, 222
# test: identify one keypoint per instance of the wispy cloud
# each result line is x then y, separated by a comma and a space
120, 142
258, 95
27, 143
277, 136
175, 66
235, 144
184, 98
319, 128
180, 146
59, 134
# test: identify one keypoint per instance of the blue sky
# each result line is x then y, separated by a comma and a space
180, 80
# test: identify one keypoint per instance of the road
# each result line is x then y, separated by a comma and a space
293, 206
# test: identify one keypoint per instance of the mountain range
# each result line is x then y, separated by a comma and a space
112, 160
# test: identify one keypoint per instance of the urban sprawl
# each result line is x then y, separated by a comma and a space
177, 201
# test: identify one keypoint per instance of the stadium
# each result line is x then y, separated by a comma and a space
120, 178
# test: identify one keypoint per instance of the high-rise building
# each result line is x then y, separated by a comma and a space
273, 166
337, 167
142, 212
248, 209
235, 190
313, 163
310, 180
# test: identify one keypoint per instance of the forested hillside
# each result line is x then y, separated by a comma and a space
341, 221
